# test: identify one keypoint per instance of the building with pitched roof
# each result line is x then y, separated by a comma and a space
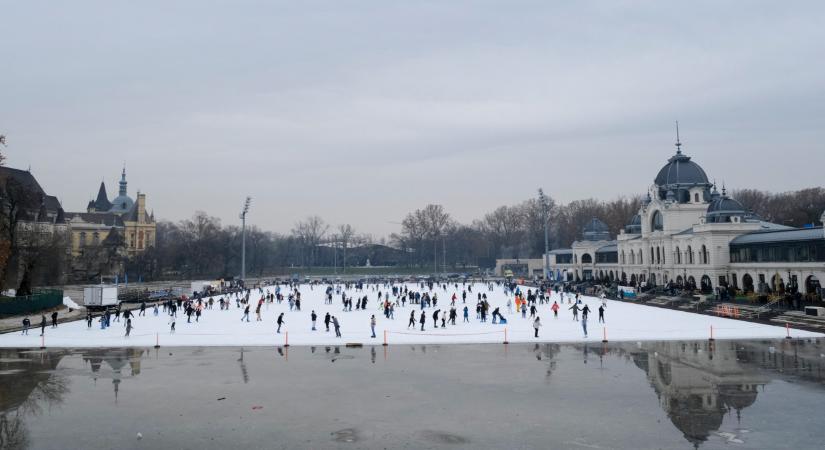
122, 215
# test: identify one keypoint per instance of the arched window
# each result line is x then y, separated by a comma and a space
82, 238
664, 259
658, 256
656, 223
632, 257
623, 257
696, 198
703, 258
587, 259
678, 256
689, 255
641, 260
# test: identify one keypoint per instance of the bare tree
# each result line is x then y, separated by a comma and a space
345, 234
311, 231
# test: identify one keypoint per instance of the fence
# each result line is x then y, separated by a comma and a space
40, 300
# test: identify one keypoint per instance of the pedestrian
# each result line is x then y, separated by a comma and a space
89, 319
372, 325
537, 325
601, 314
54, 319
42, 324
142, 309
26, 324
326, 321
280, 321
337, 326
314, 317
128, 327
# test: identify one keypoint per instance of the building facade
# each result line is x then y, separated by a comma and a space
105, 221
689, 234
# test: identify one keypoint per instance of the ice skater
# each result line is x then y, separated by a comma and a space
245, 314
42, 324
128, 327
337, 326
601, 313
537, 325
555, 309
314, 317
280, 322
575, 309
372, 325
26, 324
327, 320
412, 320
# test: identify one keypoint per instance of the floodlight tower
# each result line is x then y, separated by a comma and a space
246, 204
545, 218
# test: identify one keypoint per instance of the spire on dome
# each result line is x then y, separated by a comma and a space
678, 142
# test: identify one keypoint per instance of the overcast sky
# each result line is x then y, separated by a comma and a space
361, 111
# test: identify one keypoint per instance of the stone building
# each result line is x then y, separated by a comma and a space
121, 218
689, 234
33, 232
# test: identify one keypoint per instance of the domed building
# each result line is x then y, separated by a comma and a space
106, 222
688, 234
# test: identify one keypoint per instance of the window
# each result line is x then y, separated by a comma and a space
689, 255
132, 243
82, 239
587, 259
96, 238
657, 223
696, 198
678, 255
641, 260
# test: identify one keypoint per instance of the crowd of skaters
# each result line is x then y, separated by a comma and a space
422, 297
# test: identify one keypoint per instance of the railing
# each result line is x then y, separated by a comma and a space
40, 300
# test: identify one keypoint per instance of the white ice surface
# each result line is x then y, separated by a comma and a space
624, 322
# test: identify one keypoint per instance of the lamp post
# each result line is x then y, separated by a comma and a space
545, 219
243, 237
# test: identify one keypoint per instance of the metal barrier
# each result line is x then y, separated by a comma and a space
40, 300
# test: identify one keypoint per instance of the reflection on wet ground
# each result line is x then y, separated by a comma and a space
751, 394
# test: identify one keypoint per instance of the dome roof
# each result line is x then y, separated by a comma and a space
635, 225
725, 204
596, 230
722, 209
681, 171
122, 204
596, 225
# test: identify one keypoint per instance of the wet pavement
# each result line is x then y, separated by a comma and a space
649, 395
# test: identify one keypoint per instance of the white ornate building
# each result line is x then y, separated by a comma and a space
689, 234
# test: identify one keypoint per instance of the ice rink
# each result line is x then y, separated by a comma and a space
623, 322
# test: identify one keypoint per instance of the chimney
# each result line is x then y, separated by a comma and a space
141, 208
